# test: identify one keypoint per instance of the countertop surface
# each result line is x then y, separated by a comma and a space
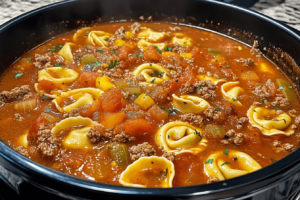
287, 11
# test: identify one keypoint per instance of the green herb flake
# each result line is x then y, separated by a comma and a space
87, 46
227, 65
60, 46
78, 36
48, 110
263, 101
160, 73
150, 64
284, 121
152, 81
58, 65
197, 133
290, 87
216, 60
168, 49
167, 75
53, 50
86, 35
233, 99
97, 63
131, 82
99, 50
209, 161
200, 88
18, 75
225, 163
276, 108
217, 109
157, 49
224, 79
226, 152
28, 115
44, 97
138, 56
113, 64
280, 88
29, 59
273, 160
173, 60
136, 95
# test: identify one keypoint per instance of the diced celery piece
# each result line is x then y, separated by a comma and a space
119, 153
288, 92
88, 59
215, 52
133, 89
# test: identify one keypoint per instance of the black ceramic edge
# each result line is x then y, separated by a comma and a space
277, 168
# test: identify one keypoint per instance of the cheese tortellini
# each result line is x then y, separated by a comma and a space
203, 77
77, 138
58, 75
180, 39
189, 103
151, 73
98, 38
279, 124
79, 97
152, 36
135, 174
218, 167
66, 52
231, 92
180, 137
142, 44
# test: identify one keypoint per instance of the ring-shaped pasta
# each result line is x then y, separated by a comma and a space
99, 38
143, 44
203, 77
270, 127
80, 32
189, 103
231, 92
76, 138
66, 52
216, 165
58, 75
180, 137
152, 36
147, 69
135, 174
81, 96
184, 42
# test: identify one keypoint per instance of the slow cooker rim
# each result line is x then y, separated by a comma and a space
31, 166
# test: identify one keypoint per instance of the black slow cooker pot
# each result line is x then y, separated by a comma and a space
279, 43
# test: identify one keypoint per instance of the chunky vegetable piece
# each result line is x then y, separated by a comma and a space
148, 105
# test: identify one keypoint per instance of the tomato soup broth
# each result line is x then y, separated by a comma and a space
178, 106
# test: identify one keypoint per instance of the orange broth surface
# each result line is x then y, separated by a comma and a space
214, 53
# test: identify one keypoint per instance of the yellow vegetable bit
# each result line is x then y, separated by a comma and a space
104, 83
129, 34
187, 55
119, 42
144, 101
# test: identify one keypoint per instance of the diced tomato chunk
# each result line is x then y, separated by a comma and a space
157, 113
112, 101
88, 79
133, 127
123, 52
151, 54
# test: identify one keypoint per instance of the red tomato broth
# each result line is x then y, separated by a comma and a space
97, 164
